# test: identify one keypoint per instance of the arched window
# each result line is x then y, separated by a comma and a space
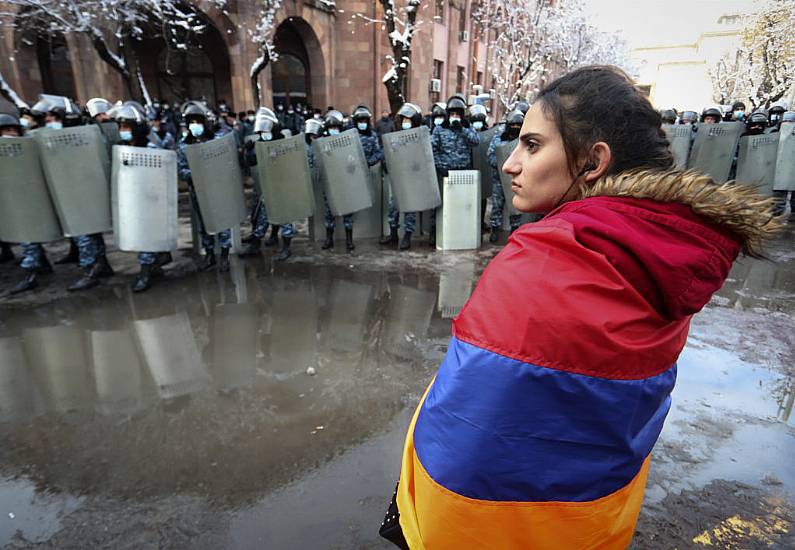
55, 65
289, 80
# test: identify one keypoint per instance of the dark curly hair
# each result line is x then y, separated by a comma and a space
601, 103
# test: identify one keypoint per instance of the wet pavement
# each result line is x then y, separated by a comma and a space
266, 408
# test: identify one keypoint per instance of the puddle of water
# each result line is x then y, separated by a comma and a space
28, 514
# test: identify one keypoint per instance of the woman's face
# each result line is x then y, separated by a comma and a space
538, 165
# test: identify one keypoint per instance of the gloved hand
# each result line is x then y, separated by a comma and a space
455, 125
465, 123
249, 145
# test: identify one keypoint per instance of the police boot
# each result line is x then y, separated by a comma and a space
209, 260
144, 279
494, 235
90, 279
223, 265
349, 239
273, 240
405, 242
6, 254
248, 238
432, 237
329, 242
72, 257
163, 258
28, 283
392, 238
103, 267
286, 252
252, 249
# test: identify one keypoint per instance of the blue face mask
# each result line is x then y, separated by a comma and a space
437, 121
25, 123
333, 131
125, 135
196, 129
362, 126
55, 125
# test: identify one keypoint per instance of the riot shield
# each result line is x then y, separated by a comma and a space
785, 159
26, 210
233, 345
480, 161
408, 318
455, 287
19, 396
169, 350
75, 163
117, 371
285, 179
713, 150
756, 163
368, 221
144, 198
215, 170
409, 159
343, 170
504, 151
680, 138
459, 228
111, 132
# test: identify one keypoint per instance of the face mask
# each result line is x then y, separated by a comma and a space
438, 121
773, 119
266, 136
165, 106
290, 111
362, 126
280, 108
317, 117
477, 125
156, 105
406, 125
125, 135
333, 131
55, 125
196, 129
25, 123
739, 115
454, 119
250, 118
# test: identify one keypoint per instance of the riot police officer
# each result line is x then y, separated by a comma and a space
451, 142
756, 123
668, 116
98, 109
200, 123
438, 115
333, 124
159, 135
478, 117
688, 117
513, 124
409, 116
776, 114
711, 115
267, 128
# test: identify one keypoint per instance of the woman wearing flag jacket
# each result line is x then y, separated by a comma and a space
537, 430
267, 128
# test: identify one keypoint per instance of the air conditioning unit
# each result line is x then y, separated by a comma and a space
436, 85
463, 36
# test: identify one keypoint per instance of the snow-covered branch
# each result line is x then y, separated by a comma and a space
7, 92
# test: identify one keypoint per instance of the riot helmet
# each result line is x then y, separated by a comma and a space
456, 104
513, 124
40, 108
9, 126
313, 127
777, 110
711, 115
409, 115
333, 122
521, 105
756, 123
128, 114
265, 120
132, 125
478, 115
688, 117
668, 116
788, 116
98, 106
361, 117
196, 118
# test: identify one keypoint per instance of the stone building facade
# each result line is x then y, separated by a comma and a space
328, 57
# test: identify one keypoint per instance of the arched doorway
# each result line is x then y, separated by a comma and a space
42, 59
290, 73
199, 71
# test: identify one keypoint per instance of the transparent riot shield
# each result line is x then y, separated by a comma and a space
343, 170
218, 183
756, 163
680, 136
76, 167
458, 219
27, 213
285, 179
713, 149
144, 199
409, 159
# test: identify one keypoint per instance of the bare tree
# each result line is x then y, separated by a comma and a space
111, 25
762, 70
262, 35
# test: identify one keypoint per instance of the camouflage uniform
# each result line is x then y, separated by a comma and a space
497, 193
451, 151
33, 256
409, 218
90, 247
208, 241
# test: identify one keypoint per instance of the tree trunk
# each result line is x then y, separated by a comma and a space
259, 65
8, 93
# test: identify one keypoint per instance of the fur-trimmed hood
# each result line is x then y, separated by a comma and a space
672, 234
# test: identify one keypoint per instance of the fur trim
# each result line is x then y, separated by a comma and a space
740, 209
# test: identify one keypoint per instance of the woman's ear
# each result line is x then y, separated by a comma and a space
599, 160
